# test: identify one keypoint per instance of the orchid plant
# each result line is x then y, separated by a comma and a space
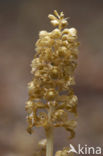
51, 96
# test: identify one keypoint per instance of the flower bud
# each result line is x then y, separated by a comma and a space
52, 17
65, 31
73, 32
62, 51
65, 37
55, 33
54, 22
43, 33
64, 23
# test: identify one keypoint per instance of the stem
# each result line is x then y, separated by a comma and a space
49, 134
49, 146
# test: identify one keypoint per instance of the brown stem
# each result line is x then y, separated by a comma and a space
49, 134
49, 146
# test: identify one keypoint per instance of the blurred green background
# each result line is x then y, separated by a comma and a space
20, 23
